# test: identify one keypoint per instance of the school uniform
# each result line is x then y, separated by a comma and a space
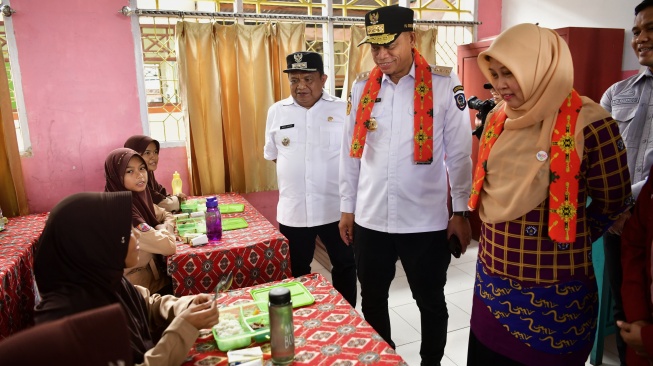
153, 243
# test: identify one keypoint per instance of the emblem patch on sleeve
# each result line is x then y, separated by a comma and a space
143, 227
461, 103
458, 88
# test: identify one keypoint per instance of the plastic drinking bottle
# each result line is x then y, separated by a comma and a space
213, 220
282, 331
176, 184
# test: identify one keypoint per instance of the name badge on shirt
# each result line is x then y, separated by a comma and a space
287, 126
143, 227
377, 100
620, 101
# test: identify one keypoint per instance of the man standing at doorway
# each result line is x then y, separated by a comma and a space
303, 134
406, 116
631, 104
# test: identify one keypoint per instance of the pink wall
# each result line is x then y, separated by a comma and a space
79, 82
489, 12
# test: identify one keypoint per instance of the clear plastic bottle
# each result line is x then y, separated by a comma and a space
213, 220
2, 220
282, 331
176, 184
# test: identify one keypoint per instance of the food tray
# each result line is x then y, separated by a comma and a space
247, 315
233, 223
299, 295
227, 208
188, 206
191, 225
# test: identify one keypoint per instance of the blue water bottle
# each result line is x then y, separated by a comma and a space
213, 220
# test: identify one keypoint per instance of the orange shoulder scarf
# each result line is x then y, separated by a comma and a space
564, 167
423, 106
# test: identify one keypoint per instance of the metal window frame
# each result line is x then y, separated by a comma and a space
16, 78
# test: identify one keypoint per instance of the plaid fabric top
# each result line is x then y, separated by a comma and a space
521, 249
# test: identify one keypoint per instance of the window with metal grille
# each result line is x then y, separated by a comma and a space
20, 122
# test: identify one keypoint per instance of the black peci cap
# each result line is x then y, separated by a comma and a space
383, 25
304, 61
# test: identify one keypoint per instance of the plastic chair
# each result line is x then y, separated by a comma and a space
605, 324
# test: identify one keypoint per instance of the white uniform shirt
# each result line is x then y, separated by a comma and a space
306, 144
385, 189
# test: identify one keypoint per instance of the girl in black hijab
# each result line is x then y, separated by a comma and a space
125, 170
85, 245
149, 150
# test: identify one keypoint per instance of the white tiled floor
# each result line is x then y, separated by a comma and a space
404, 316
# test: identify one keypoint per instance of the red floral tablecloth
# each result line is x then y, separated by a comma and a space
16, 272
328, 332
256, 255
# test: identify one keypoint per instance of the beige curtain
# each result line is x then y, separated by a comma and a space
13, 200
360, 58
229, 76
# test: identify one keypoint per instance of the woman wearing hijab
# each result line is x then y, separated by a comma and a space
636, 243
541, 156
125, 170
79, 270
149, 150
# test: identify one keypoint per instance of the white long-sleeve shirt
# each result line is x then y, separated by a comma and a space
306, 145
385, 189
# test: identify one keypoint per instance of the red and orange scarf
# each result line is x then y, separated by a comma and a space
564, 167
422, 121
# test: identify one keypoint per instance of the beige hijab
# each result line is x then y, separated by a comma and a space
516, 181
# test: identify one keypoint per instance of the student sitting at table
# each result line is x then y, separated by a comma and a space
86, 243
149, 150
126, 170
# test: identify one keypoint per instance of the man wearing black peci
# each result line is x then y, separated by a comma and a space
405, 116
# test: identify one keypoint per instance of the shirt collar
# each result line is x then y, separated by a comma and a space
642, 75
325, 96
288, 101
411, 73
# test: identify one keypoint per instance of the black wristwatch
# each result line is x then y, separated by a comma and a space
464, 214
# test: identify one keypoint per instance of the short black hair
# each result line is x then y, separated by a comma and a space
643, 5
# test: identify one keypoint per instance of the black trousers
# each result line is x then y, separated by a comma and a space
612, 250
425, 258
302, 248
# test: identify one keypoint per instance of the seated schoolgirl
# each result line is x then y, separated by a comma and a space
149, 150
125, 170
79, 270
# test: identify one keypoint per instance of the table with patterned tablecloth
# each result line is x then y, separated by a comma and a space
328, 332
255, 255
17, 291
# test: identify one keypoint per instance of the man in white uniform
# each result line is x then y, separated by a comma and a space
303, 134
406, 117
